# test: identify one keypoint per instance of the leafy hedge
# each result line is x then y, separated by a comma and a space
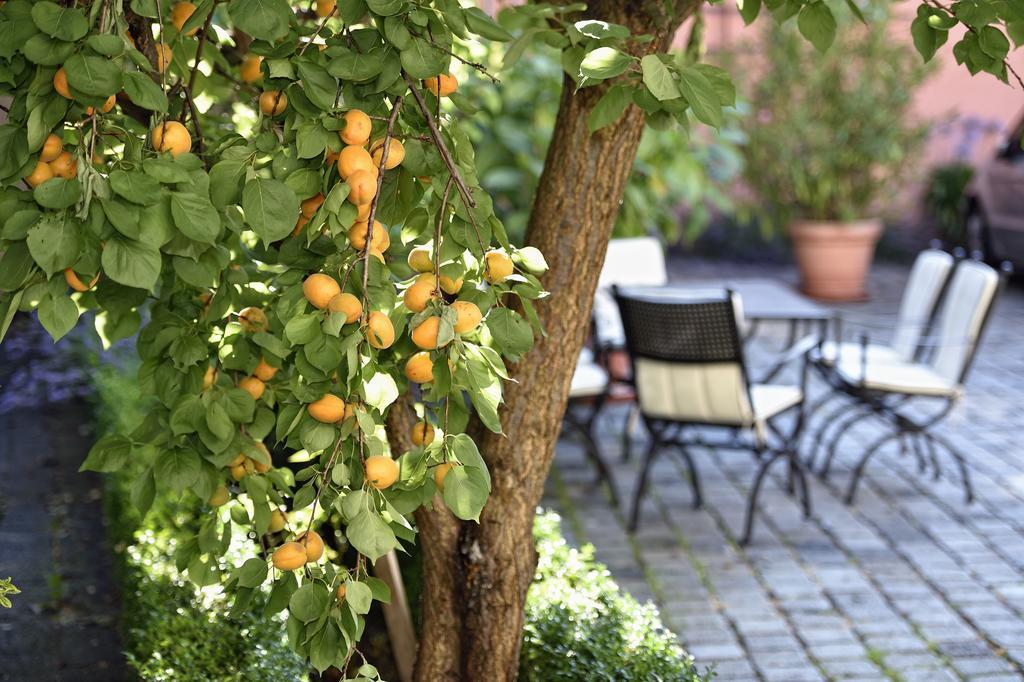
580, 627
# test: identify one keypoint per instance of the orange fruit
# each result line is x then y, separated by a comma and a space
440, 471
252, 386
348, 304
420, 368
363, 212
253, 319
419, 259
498, 266
107, 106
250, 69
238, 472
325, 7
273, 102
468, 316
311, 205
277, 521
60, 83
262, 467
319, 289
380, 333
381, 471
220, 496
380, 240
340, 594
357, 128
75, 283
354, 158
363, 187
163, 57
396, 153
52, 148
330, 409
264, 371
425, 335
289, 556
313, 545
209, 377
65, 166
40, 174
422, 433
420, 293
171, 136
180, 14
442, 85
449, 285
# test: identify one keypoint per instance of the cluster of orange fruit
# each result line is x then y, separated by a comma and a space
54, 162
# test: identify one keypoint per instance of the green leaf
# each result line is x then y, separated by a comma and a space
132, 263
47, 51
15, 266
370, 535
658, 78
512, 334
749, 9
96, 76
271, 208
54, 242
994, 42
817, 24
354, 66
252, 573
65, 23
135, 187
926, 39
143, 491
701, 95
309, 602
141, 90
165, 170
58, 193
107, 44
58, 315
359, 596
226, 182
110, 453
610, 107
466, 490
195, 216
605, 62
265, 19
478, 22
177, 469
422, 60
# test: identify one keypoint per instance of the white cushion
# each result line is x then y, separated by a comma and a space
929, 274
589, 379
637, 261
772, 399
851, 353
911, 378
711, 393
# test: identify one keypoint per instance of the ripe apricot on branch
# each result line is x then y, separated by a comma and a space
440, 471
380, 240
220, 496
422, 434
363, 212
362, 187
498, 266
420, 368
273, 102
325, 7
209, 377
348, 304
313, 545
354, 158
419, 294
277, 521
60, 83
419, 259
64, 166
264, 371
380, 333
381, 471
253, 320
340, 594
250, 69
163, 57
425, 335
180, 14
52, 148
40, 174
77, 284
171, 136
357, 128
252, 386
108, 104
449, 285
319, 289
289, 556
309, 207
396, 153
442, 85
468, 316
330, 409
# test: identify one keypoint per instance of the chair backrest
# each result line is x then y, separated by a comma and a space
687, 354
927, 280
962, 317
636, 261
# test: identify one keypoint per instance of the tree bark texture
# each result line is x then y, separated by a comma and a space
476, 576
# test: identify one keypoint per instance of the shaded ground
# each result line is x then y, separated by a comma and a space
907, 584
52, 541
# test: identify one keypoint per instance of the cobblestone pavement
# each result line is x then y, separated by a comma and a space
907, 584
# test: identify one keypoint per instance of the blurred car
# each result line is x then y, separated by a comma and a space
994, 208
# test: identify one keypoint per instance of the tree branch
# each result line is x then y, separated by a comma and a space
395, 108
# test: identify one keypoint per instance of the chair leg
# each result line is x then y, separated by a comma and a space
641, 486
960, 462
858, 470
932, 456
593, 451
698, 495
819, 435
801, 477
748, 523
915, 447
826, 466
628, 427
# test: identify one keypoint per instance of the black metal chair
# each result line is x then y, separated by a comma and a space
588, 393
885, 387
690, 373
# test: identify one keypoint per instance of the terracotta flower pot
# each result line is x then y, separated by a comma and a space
834, 257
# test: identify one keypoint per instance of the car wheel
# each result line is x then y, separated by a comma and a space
976, 232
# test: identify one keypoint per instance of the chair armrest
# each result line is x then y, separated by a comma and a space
877, 321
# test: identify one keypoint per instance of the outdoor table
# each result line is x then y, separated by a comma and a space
764, 301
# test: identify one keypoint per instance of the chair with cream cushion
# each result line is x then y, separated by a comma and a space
885, 388
690, 374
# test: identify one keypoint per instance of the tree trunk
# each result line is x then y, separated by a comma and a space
476, 576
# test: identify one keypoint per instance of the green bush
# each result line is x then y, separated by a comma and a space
581, 627
171, 630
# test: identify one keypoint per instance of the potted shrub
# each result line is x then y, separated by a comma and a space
829, 138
